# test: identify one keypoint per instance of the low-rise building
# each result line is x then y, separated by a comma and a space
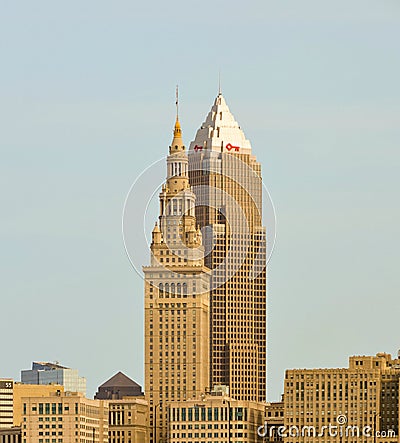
12, 392
128, 410
274, 421
216, 418
361, 402
10, 435
6, 402
129, 420
64, 418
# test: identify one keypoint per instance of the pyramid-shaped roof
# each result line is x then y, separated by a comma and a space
119, 380
220, 131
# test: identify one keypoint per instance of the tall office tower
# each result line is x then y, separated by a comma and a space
45, 373
176, 298
226, 178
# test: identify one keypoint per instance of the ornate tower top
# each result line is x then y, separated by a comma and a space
177, 142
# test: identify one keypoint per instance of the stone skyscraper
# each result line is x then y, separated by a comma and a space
176, 298
226, 178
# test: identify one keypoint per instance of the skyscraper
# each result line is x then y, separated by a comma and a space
176, 297
226, 179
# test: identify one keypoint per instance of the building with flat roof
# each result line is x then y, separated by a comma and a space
363, 399
64, 417
12, 392
274, 419
6, 402
215, 418
23, 390
129, 420
45, 373
10, 435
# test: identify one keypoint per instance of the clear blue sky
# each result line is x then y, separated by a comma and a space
87, 102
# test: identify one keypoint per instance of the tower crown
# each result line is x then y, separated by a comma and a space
220, 131
177, 142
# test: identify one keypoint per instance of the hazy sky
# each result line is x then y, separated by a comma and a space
87, 102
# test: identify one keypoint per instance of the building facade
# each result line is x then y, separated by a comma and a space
226, 179
23, 391
274, 420
6, 403
64, 418
215, 418
363, 399
176, 298
11, 435
129, 421
45, 373
11, 393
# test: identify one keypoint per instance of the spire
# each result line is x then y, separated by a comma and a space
177, 129
177, 103
219, 83
177, 142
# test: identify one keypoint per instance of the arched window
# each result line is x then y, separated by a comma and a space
160, 289
184, 289
179, 289
167, 289
172, 288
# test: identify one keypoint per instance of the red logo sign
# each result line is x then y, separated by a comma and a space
198, 148
229, 147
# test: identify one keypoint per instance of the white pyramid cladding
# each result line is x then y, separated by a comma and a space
220, 132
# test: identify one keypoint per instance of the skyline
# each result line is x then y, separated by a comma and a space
326, 135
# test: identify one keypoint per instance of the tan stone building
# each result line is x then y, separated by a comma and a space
128, 421
176, 298
215, 418
10, 435
362, 400
128, 417
226, 179
11, 393
64, 418
274, 420
22, 391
